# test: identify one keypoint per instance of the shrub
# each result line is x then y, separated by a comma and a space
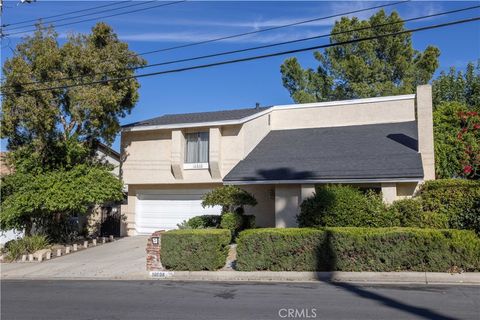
409, 212
203, 249
34, 243
342, 206
231, 198
25, 245
357, 249
233, 222
457, 199
201, 222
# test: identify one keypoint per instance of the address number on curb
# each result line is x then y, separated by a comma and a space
161, 274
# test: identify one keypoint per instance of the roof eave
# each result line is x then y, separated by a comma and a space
318, 181
195, 124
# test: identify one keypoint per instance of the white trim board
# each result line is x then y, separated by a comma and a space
315, 181
269, 110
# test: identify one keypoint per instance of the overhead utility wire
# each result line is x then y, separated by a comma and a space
263, 30
270, 28
82, 15
255, 48
253, 57
102, 17
63, 14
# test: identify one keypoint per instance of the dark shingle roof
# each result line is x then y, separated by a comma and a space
353, 152
213, 116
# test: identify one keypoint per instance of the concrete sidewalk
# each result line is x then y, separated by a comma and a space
72, 272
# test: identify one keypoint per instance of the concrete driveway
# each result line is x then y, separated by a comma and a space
122, 259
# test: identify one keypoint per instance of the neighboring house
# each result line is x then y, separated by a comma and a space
277, 153
110, 156
5, 169
106, 219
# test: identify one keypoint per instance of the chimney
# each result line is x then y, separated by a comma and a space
425, 130
257, 105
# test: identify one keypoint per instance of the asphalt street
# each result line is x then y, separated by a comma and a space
41, 299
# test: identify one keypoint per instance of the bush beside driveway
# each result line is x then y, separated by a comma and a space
201, 249
325, 249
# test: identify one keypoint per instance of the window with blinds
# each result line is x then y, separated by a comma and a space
196, 150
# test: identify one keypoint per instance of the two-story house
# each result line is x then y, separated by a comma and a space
277, 153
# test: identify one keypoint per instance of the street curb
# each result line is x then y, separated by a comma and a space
425, 278
472, 278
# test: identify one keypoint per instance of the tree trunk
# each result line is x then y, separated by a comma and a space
28, 227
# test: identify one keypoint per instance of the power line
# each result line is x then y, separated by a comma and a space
257, 47
265, 29
84, 15
269, 29
103, 17
63, 14
253, 57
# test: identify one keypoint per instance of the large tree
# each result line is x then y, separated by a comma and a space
53, 134
383, 66
458, 86
456, 120
60, 127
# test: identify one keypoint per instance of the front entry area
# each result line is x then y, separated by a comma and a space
165, 209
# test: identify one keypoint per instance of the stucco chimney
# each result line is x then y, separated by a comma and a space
425, 130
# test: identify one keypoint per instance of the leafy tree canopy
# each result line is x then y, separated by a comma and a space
463, 87
231, 198
53, 135
384, 66
32, 198
60, 128
457, 141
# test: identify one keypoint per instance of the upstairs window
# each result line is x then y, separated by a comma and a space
196, 150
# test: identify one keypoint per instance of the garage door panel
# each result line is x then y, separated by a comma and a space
169, 197
164, 210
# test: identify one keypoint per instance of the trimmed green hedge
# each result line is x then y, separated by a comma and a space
357, 249
458, 200
193, 250
344, 206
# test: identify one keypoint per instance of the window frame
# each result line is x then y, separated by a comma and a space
196, 165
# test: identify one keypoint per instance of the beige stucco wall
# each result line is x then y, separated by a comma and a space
254, 131
287, 201
425, 130
310, 116
153, 157
232, 147
146, 157
264, 211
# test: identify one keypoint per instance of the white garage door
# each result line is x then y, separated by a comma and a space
164, 209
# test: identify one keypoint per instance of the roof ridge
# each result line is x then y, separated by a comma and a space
224, 110
192, 117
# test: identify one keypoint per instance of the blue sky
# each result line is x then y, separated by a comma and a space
238, 85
